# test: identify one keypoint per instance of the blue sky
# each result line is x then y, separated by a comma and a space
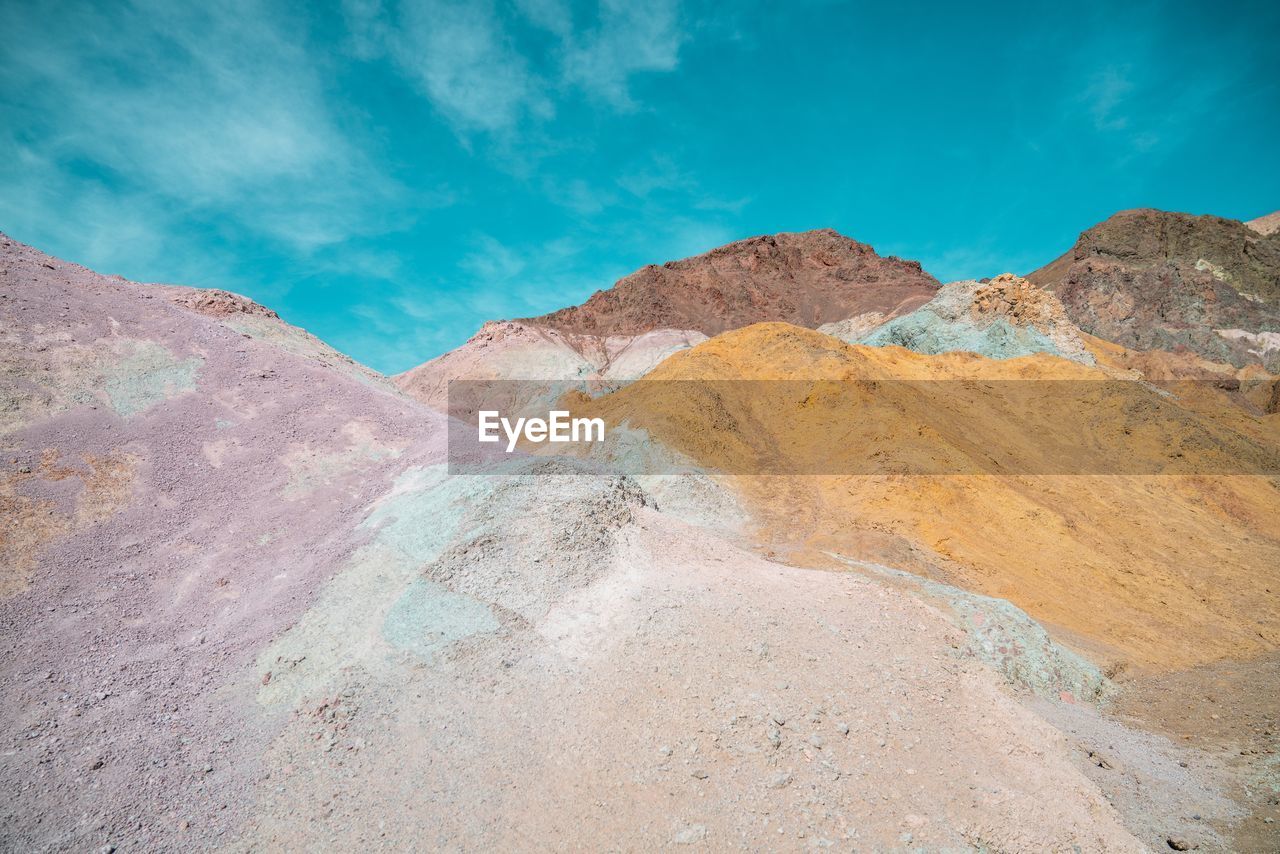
389, 175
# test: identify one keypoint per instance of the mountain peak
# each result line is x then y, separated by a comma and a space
807, 278
1151, 279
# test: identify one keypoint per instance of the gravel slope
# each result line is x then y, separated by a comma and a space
244, 606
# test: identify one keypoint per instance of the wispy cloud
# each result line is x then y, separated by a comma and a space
214, 109
660, 176
659, 173
579, 196
464, 61
628, 38
1105, 97
1141, 103
478, 65
492, 263
554, 16
522, 278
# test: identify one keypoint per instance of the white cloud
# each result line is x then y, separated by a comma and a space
524, 279
492, 263
1105, 96
554, 16
579, 196
629, 38
658, 174
460, 55
216, 108
367, 28
484, 73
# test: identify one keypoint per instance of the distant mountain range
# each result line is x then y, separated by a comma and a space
1143, 279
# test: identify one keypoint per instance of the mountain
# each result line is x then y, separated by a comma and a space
244, 605
808, 278
182, 474
1149, 279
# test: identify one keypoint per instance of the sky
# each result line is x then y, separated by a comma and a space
389, 175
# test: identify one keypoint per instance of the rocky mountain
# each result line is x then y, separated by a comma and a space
1149, 280
245, 604
808, 278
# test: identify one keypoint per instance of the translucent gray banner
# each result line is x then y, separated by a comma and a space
864, 427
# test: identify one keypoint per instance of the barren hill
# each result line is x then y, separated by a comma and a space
244, 606
1149, 279
806, 278
1114, 562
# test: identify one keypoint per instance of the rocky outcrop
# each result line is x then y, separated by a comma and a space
212, 302
806, 278
1149, 279
1002, 318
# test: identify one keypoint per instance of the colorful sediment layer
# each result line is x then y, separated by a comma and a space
1151, 570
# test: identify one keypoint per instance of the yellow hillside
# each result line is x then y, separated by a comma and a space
1155, 569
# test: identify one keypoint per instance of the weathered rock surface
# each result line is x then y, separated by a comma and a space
1149, 279
1003, 318
807, 278
1268, 224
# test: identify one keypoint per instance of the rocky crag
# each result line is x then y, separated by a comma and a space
1154, 280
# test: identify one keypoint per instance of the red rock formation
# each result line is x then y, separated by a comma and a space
806, 278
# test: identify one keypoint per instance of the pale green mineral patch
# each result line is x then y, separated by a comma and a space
1003, 636
429, 617
147, 375
378, 604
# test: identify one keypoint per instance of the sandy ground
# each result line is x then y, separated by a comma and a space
677, 690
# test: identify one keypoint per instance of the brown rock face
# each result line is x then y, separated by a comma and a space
1150, 279
806, 278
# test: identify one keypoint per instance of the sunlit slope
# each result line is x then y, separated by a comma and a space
1154, 570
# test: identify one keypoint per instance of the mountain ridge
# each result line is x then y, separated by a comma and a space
807, 278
